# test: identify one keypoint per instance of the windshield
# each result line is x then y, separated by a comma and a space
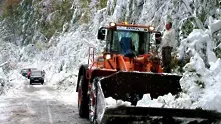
24, 70
36, 73
124, 41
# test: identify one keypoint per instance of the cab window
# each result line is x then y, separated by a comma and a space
124, 40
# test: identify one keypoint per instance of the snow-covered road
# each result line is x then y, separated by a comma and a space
39, 104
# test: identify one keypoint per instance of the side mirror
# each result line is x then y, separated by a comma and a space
158, 37
101, 33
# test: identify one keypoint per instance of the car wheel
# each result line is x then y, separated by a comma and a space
42, 82
30, 82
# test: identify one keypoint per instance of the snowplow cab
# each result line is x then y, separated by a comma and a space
121, 37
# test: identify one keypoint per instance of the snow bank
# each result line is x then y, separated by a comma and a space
8, 62
11, 83
200, 85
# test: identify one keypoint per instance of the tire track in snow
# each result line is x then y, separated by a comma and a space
48, 109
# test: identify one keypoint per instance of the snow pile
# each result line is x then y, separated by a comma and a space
112, 103
210, 97
147, 102
199, 81
166, 101
201, 85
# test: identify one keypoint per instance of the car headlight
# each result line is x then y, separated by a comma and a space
112, 24
125, 23
151, 28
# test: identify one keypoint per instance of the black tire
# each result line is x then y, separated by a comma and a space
42, 82
30, 82
83, 99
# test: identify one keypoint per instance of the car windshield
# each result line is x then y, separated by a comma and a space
24, 70
130, 40
33, 68
36, 73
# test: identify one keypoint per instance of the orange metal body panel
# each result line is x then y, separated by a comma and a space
119, 62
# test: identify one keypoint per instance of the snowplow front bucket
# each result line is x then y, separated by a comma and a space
147, 115
130, 86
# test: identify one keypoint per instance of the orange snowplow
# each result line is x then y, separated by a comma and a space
127, 70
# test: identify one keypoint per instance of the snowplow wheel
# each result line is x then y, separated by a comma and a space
82, 98
93, 103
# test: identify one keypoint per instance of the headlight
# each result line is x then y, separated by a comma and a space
108, 56
112, 24
151, 28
